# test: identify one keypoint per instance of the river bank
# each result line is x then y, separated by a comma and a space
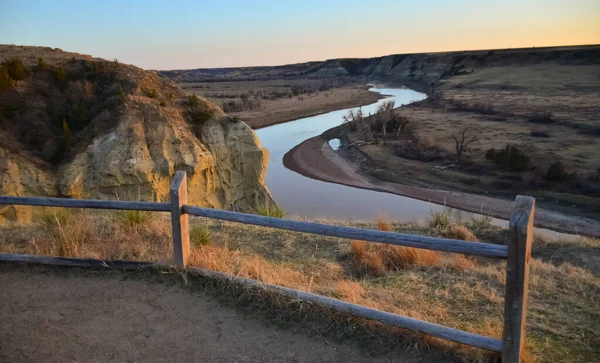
274, 102
315, 159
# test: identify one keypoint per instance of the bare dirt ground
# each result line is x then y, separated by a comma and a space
278, 104
315, 159
59, 315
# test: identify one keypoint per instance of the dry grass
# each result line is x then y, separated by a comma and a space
447, 289
457, 231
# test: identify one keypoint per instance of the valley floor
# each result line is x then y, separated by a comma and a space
315, 159
277, 104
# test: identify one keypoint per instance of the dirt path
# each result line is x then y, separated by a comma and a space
64, 315
315, 159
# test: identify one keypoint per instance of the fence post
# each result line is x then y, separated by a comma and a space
517, 278
179, 221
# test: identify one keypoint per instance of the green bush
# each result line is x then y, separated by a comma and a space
481, 223
200, 235
557, 172
133, 218
163, 104
274, 212
55, 218
16, 68
510, 158
6, 82
42, 65
440, 219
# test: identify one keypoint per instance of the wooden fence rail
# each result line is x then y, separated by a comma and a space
517, 252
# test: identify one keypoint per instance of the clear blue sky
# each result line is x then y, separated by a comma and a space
192, 34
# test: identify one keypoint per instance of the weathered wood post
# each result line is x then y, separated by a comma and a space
517, 278
179, 221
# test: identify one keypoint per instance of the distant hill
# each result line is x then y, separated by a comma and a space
418, 70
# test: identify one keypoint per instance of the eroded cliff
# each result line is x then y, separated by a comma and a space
89, 128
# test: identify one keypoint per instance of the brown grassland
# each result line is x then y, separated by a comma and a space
277, 101
450, 289
549, 111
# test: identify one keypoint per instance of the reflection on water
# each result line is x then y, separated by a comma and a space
307, 197
335, 144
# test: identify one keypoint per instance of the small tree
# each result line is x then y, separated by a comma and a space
16, 69
462, 140
6, 82
42, 65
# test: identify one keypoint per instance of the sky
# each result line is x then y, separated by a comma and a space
181, 34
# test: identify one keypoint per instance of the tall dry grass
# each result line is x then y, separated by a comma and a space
449, 289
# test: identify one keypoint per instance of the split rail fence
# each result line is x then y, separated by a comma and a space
517, 252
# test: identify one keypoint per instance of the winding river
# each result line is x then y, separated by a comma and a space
303, 196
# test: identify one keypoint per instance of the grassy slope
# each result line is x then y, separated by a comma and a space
452, 290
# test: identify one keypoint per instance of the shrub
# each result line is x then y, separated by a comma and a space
79, 116
539, 133
133, 218
199, 116
152, 93
163, 104
481, 223
42, 65
122, 96
274, 212
6, 82
440, 219
544, 117
16, 68
510, 158
193, 101
557, 172
200, 235
60, 77
55, 218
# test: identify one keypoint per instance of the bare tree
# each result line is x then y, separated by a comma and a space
462, 140
402, 123
385, 115
350, 120
357, 121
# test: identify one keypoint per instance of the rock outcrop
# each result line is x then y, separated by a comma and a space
128, 150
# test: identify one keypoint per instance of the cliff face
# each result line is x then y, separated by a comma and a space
113, 131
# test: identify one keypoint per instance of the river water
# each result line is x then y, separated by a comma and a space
307, 197
303, 196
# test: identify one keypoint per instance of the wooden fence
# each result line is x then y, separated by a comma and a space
517, 252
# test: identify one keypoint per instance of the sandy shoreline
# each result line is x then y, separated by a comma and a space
315, 159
